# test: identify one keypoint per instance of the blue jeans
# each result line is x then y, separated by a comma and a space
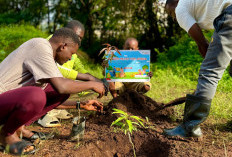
218, 55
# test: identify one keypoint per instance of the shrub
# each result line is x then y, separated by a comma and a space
12, 36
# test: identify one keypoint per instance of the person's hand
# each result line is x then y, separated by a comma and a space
92, 105
150, 74
203, 50
99, 88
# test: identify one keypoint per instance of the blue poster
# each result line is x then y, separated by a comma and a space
130, 66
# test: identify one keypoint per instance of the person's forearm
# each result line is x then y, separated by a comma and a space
87, 77
92, 78
197, 35
70, 104
67, 86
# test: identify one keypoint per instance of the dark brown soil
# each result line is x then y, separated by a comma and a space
101, 140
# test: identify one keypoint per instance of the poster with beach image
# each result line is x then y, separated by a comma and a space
130, 66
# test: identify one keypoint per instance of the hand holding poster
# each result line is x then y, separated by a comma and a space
130, 66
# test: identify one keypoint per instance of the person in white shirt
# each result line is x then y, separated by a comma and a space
193, 16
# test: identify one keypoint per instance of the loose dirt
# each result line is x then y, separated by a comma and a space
102, 140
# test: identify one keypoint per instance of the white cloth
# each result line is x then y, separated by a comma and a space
27, 65
202, 12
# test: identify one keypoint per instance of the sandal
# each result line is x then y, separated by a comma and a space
39, 135
60, 114
18, 148
49, 121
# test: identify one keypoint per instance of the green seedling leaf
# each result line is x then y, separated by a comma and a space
137, 118
125, 131
119, 124
130, 126
117, 120
119, 112
147, 119
136, 123
141, 124
123, 126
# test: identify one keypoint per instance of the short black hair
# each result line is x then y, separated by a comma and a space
67, 33
75, 24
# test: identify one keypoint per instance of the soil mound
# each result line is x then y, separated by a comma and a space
140, 105
101, 140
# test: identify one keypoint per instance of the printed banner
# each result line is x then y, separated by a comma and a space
130, 66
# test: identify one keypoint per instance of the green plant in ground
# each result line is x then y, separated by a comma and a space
127, 123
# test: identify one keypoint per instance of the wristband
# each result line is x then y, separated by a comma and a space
78, 105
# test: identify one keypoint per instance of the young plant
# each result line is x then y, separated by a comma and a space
107, 49
127, 123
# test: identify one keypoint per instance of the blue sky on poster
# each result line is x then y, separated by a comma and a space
131, 60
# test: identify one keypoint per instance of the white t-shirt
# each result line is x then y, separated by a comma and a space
202, 12
27, 65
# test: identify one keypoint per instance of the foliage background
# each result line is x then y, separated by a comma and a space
105, 21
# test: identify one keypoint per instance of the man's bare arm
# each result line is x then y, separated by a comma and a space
196, 33
67, 86
87, 77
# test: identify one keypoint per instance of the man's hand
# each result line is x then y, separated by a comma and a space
203, 49
99, 88
150, 74
92, 105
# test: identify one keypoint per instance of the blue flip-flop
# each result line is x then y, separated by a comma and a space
18, 148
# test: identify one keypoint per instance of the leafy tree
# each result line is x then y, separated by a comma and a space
105, 21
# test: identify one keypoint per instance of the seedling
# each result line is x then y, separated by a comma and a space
107, 49
127, 123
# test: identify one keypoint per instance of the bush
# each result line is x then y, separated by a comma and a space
12, 36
